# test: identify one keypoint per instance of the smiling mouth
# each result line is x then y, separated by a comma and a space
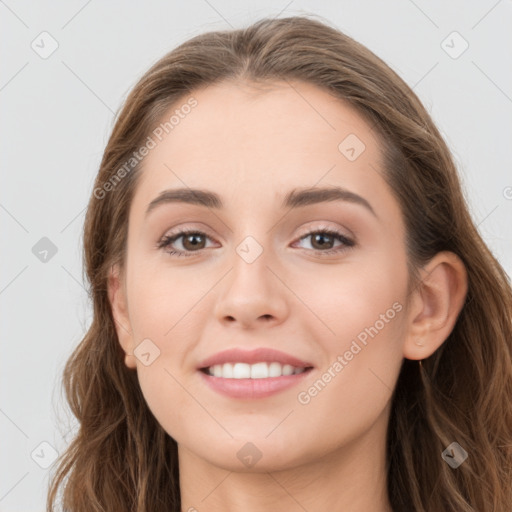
261, 370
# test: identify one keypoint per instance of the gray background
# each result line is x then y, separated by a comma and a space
57, 113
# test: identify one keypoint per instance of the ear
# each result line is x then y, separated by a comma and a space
119, 305
435, 305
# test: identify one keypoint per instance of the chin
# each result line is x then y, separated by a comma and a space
253, 453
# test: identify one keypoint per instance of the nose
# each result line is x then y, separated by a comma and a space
252, 295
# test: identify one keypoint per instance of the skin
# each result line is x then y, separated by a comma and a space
251, 146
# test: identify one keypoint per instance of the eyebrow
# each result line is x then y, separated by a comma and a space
296, 198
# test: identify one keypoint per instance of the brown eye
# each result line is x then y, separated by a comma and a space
322, 241
190, 241
193, 241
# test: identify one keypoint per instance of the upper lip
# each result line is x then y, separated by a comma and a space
236, 355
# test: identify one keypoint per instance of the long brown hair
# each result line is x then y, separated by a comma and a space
121, 459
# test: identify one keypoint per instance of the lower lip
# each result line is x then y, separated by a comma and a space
253, 388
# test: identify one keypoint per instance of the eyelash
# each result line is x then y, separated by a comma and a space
167, 240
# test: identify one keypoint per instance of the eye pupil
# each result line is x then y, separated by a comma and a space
192, 236
321, 237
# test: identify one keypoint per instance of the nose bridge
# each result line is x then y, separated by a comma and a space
251, 276
251, 290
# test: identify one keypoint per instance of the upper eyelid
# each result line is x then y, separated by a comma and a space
304, 232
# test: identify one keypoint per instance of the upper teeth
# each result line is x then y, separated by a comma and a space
252, 371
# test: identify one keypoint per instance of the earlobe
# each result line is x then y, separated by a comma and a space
437, 301
118, 304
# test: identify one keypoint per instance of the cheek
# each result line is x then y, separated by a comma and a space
364, 293
362, 313
361, 340
164, 326
161, 298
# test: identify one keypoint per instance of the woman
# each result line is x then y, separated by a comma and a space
292, 305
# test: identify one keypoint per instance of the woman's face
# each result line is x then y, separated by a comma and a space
261, 273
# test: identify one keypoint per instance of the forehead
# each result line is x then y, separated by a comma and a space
260, 141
